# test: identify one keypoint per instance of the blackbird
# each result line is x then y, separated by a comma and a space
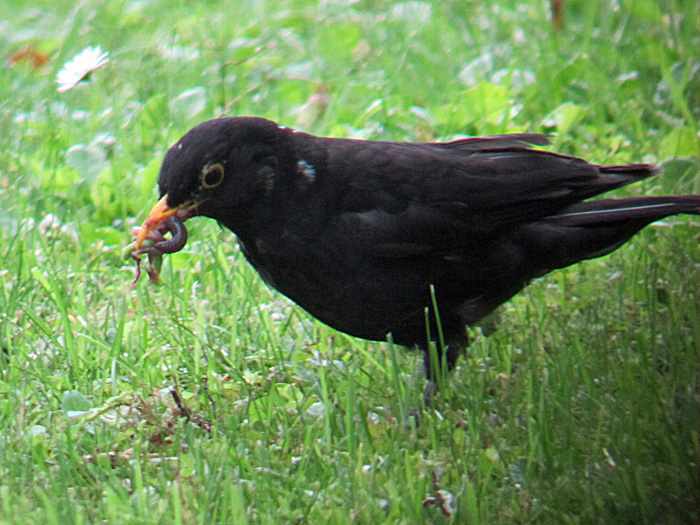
368, 236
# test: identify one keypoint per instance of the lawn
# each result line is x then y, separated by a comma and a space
212, 399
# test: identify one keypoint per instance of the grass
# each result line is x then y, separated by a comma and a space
581, 408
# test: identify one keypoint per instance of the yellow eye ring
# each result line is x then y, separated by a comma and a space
212, 176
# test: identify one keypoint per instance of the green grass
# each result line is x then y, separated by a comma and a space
582, 407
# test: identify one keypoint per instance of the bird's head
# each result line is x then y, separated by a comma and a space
217, 169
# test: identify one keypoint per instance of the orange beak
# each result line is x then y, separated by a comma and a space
159, 213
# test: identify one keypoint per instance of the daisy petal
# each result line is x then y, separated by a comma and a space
79, 68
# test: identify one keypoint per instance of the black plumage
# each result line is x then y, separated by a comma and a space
357, 232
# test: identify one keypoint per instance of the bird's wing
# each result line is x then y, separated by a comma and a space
414, 231
409, 199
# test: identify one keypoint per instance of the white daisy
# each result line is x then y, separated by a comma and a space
79, 69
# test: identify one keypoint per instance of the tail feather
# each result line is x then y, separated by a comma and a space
633, 210
591, 229
612, 177
636, 171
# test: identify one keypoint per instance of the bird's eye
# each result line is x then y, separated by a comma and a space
212, 176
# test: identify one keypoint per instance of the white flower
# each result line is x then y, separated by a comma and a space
79, 69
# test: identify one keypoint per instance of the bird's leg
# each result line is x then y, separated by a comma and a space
429, 391
445, 359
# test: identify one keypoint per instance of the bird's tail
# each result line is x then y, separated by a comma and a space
591, 229
633, 209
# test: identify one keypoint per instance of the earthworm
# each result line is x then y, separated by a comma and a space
156, 245
176, 227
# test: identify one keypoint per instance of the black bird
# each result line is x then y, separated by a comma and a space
358, 232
